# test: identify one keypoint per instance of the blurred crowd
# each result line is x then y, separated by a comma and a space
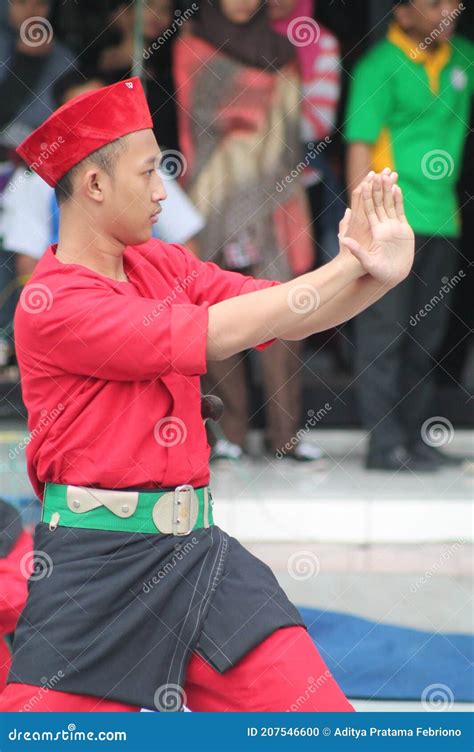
263, 132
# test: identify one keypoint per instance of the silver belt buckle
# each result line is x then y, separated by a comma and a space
177, 508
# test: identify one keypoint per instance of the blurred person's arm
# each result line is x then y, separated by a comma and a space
358, 163
322, 91
27, 202
368, 109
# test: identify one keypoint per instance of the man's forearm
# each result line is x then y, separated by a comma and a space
353, 299
278, 312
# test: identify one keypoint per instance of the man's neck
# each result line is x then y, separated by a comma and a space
101, 254
417, 39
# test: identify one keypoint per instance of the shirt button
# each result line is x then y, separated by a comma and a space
125, 508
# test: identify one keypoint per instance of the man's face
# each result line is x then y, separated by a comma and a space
239, 11
132, 194
278, 9
157, 17
422, 17
21, 10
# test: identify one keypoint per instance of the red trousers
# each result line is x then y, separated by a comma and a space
284, 673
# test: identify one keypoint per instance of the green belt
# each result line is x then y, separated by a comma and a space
175, 512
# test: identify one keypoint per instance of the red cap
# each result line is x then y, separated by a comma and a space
83, 125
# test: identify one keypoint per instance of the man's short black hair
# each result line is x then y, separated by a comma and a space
105, 158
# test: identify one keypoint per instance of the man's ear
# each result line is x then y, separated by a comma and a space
92, 184
402, 15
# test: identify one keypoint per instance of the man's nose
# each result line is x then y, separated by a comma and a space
159, 193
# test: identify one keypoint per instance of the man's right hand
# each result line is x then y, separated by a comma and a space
387, 249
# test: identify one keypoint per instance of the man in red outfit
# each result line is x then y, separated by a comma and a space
145, 602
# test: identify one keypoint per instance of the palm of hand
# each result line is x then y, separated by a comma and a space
378, 224
391, 251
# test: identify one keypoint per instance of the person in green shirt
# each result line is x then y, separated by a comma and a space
408, 109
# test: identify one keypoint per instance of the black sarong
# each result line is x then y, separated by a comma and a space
117, 615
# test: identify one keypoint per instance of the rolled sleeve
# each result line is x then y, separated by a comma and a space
189, 327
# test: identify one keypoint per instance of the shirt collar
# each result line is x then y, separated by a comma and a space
433, 60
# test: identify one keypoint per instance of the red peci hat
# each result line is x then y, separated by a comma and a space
83, 125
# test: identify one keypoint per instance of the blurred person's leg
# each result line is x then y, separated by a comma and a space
378, 340
453, 354
8, 298
227, 379
433, 297
282, 372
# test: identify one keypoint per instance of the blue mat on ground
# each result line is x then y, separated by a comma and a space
385, 662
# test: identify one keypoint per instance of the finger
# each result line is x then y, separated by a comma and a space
393, 177
388, 201
398, 200
377, 193
356, 193
369, 207
344, 223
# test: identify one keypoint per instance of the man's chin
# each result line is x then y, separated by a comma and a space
140, 238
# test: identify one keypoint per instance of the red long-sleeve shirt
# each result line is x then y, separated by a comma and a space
110, 370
